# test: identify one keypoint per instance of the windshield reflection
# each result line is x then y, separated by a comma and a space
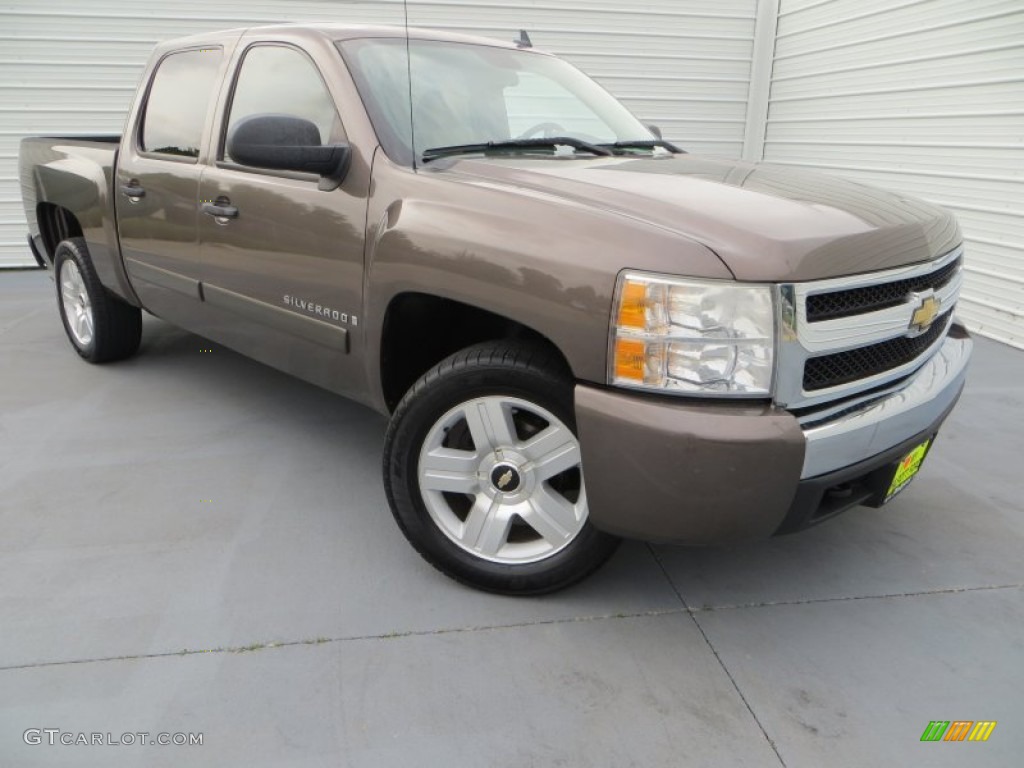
465, 94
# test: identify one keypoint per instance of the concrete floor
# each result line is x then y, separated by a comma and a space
192, 542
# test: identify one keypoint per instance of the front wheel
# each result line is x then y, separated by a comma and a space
484, 475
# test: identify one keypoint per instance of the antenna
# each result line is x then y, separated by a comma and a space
408, 65
524, 40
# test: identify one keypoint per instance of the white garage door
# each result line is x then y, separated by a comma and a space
926, 96
72, 65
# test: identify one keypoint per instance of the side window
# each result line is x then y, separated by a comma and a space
178, 102
282, 81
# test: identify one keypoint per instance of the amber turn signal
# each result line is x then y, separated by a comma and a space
629, 359
633, 305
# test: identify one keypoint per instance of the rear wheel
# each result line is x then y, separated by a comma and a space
484, 473
100, 327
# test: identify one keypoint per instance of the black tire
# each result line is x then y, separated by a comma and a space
116, 327
503, 369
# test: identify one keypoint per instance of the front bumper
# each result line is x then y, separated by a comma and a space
707, 474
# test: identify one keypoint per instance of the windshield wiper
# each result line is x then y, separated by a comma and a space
645, 144
490, 146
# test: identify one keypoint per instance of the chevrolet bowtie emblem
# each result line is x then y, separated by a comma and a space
505, 479
925, 314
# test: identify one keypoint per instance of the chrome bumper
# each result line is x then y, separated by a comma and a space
926, 396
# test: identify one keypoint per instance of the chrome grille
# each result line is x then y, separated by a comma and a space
862, 334
827, 371
870, 298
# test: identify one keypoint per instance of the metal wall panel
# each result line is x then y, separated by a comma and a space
70, 66
925, 96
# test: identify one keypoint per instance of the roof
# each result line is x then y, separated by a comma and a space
335, 31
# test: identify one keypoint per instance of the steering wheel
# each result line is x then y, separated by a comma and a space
550, 129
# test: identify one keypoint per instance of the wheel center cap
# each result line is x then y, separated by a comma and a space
506, 478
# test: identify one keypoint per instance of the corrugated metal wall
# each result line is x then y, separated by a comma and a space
921, 95
925, 96
72, 65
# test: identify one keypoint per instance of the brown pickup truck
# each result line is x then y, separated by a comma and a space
580, 332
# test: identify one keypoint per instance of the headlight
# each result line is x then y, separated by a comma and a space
692, 337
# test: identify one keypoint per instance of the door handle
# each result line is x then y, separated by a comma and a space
133, 191
220, 210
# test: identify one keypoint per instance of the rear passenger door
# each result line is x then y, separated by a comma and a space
282, 276
157, 181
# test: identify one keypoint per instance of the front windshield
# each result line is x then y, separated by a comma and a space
474, 94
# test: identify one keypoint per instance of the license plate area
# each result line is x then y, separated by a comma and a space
889, 481
907, 469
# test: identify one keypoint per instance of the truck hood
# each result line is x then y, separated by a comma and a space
766, 223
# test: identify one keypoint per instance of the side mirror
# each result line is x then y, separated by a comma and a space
288, 143
656, 131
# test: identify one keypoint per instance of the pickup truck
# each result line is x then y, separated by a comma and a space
579, 331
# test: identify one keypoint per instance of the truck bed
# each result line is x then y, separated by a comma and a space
73, 172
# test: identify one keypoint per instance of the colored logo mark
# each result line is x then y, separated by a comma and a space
958, 730
925, 313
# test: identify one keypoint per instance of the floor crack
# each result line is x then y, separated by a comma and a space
847, 598
693, 617
260, 646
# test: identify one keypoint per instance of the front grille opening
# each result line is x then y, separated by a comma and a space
872, 298
861, 363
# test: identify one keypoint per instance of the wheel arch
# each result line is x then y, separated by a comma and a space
420, 330
56, 223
